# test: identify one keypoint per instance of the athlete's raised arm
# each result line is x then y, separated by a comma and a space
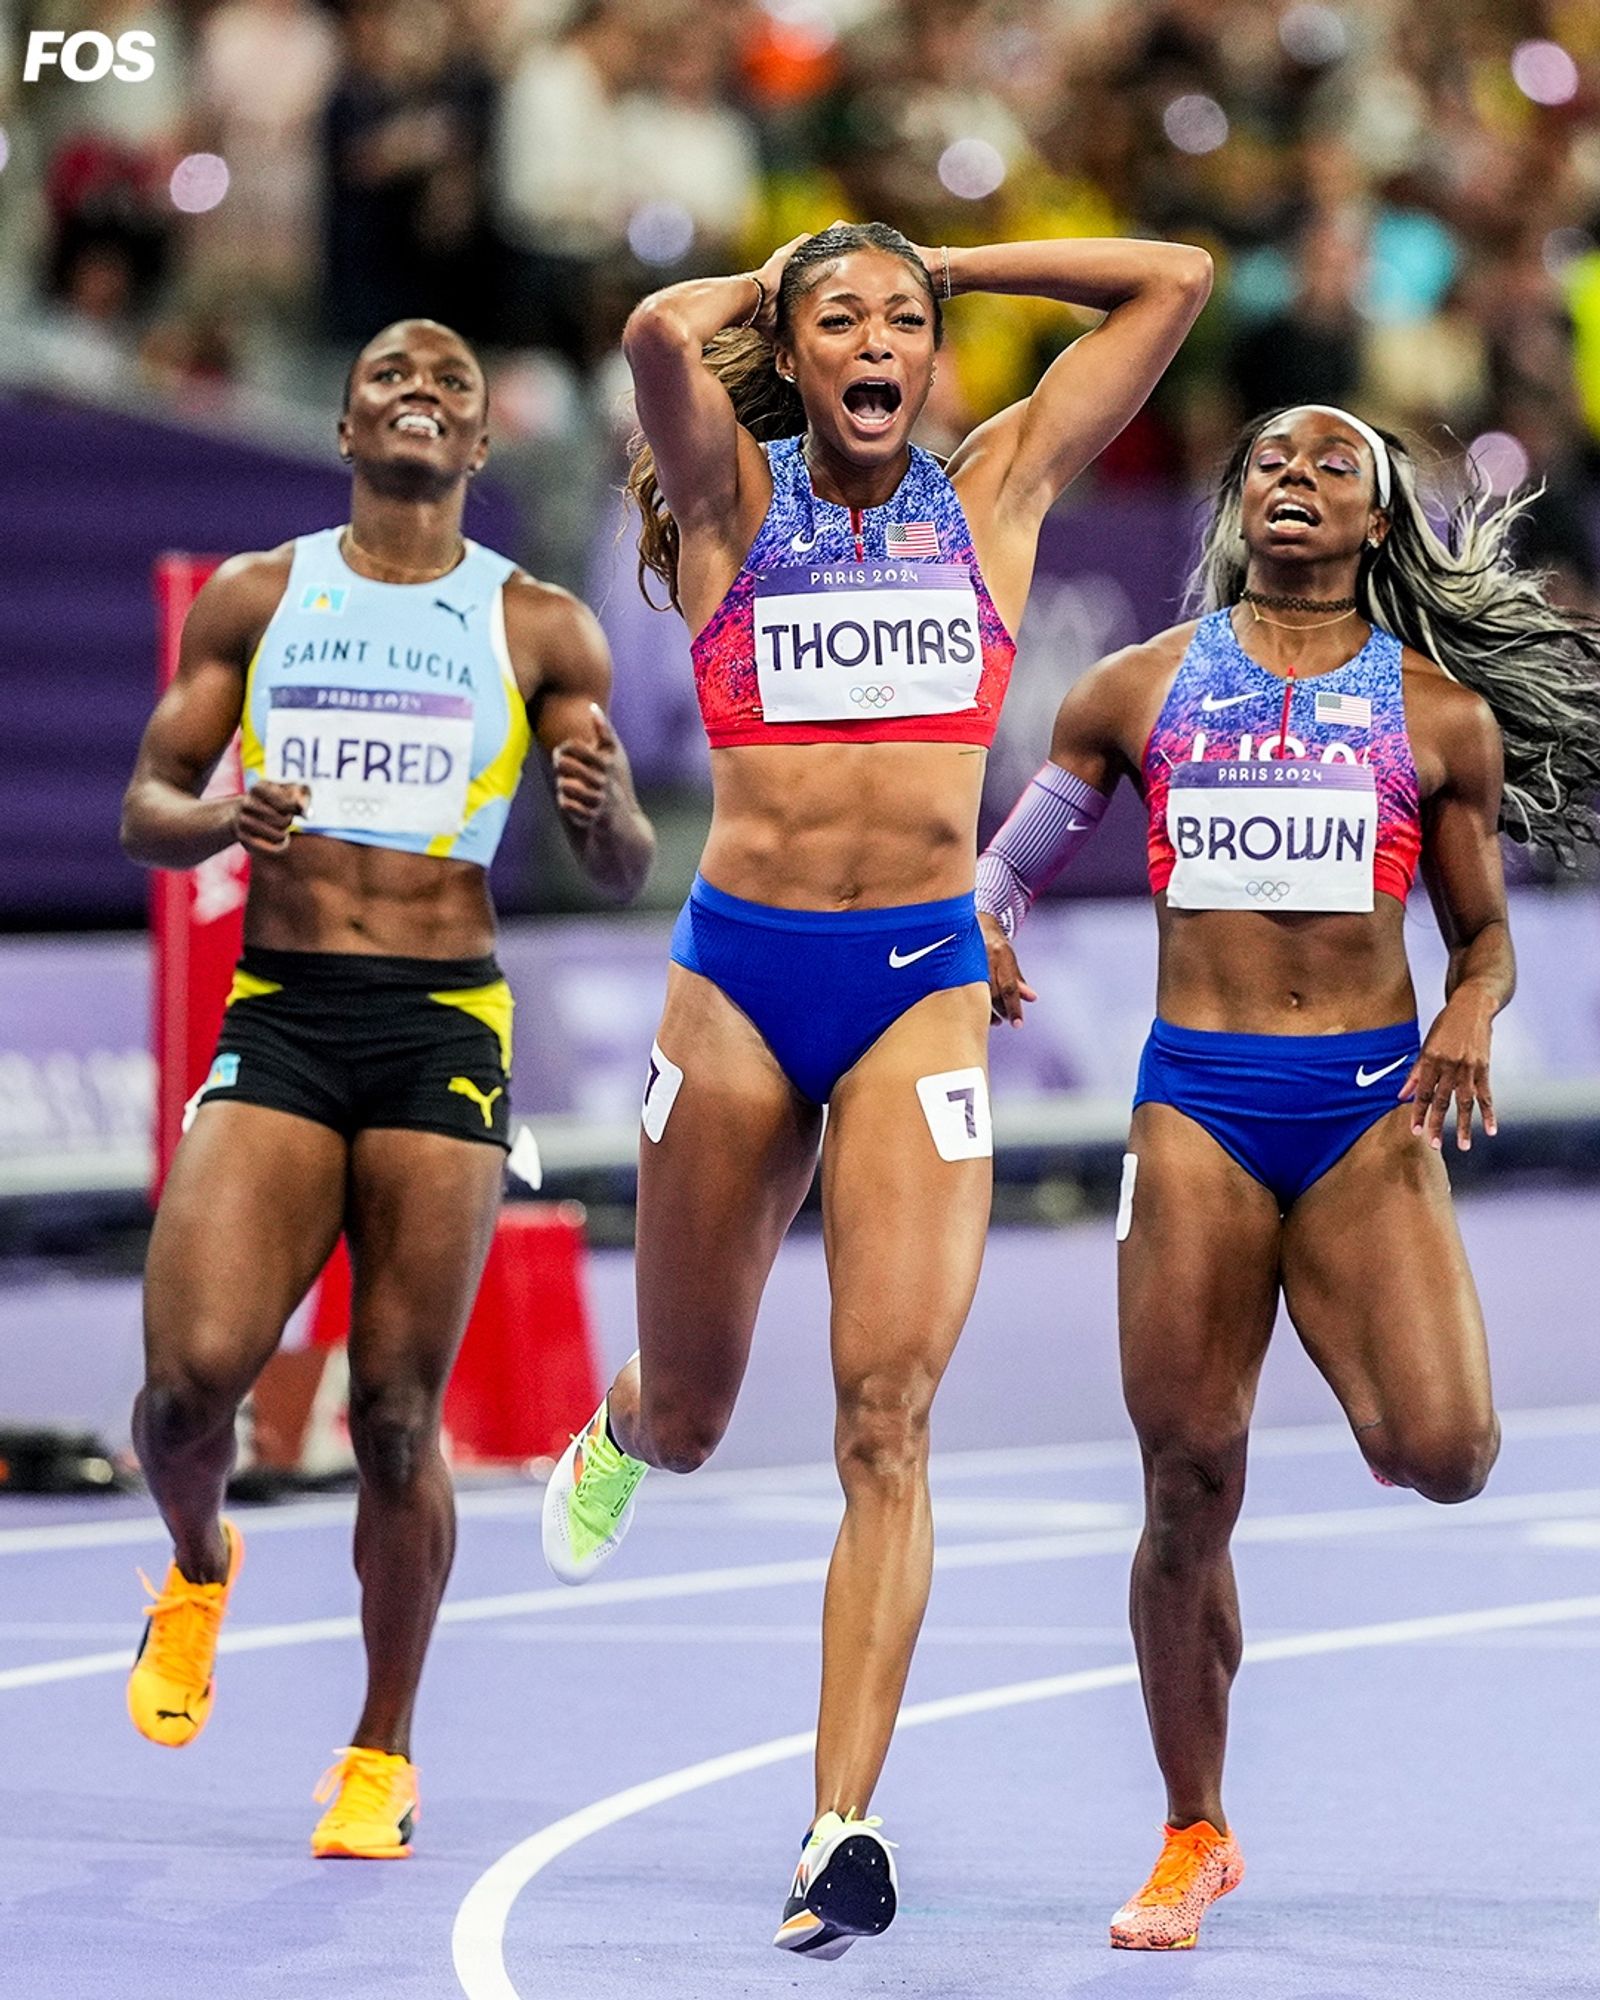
558, 643
1013, 468
165, 822
1462, 867
706, 464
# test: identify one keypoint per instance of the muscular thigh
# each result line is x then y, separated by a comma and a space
908, 1172
727, 1153
1197, 1280
421, 1217
1376, 1281
249, 1214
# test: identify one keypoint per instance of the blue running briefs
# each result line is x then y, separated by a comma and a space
822, 985
1287, 1107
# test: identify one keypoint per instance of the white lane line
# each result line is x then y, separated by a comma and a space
478, 1938
1379, 1517
713, 1487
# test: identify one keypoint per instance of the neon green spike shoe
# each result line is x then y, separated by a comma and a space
589, 1502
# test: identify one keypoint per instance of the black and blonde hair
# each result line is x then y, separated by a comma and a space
1459, 599
766, 405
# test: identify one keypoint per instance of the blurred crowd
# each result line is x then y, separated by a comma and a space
1402, 196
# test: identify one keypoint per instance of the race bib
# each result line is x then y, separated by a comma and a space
1287, 834
867, 639
376, 761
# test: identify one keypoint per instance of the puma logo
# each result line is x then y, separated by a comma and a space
463, 1086
440, 605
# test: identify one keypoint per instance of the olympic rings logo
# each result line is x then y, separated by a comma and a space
1267, 891
351, 809
872, 697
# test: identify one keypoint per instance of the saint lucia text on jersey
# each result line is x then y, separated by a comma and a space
354, 652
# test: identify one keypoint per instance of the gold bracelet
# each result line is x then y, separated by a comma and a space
759, 307
944, 258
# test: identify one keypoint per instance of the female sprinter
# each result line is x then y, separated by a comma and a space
852, 604
1358, 697
387, 677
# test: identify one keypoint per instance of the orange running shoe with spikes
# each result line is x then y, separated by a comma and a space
375, 1805
172, 1686
1197, 1865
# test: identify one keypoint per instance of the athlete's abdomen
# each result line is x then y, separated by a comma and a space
851, 825
1240, 972
340, 896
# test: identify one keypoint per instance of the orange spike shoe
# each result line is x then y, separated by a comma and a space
374, 1807
1196, 1866
172, 1686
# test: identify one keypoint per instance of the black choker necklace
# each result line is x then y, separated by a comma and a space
1275, 603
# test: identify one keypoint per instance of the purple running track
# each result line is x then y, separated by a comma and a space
1411, 1769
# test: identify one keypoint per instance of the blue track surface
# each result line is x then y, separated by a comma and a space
1416, 1807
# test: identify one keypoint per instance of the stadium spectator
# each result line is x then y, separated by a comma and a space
404, 142
559, 177
264, 72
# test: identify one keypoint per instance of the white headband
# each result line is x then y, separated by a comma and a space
1379, 450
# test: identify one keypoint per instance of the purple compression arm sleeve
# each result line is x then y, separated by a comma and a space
1048, 824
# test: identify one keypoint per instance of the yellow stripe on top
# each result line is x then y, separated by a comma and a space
252, 752
492, 1005
500, 777
249, 986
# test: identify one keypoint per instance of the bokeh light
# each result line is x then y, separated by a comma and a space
661, 232
1501, 460
199, 182
808, 26
1545, 72
1195, 123
971, 168
1313, 35
5, 149
1563, 247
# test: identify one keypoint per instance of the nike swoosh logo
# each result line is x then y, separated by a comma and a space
1364, 1076
1211, 704
911, 957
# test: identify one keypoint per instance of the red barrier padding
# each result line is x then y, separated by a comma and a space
196, 914
528, 1375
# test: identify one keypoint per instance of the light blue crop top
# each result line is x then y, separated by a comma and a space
395, 702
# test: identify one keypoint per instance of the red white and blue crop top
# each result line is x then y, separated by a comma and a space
850, 625
1281, 795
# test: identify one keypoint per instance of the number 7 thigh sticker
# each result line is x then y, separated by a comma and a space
956, 1106
661, 1089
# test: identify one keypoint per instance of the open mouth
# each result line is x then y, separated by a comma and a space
874, 402
418, 423
1293, 513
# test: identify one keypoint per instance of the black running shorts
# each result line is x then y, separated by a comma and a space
352, 1042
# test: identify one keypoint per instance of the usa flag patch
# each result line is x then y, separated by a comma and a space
913, 541
1348, 711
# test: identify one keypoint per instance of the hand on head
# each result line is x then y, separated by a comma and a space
770, 276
